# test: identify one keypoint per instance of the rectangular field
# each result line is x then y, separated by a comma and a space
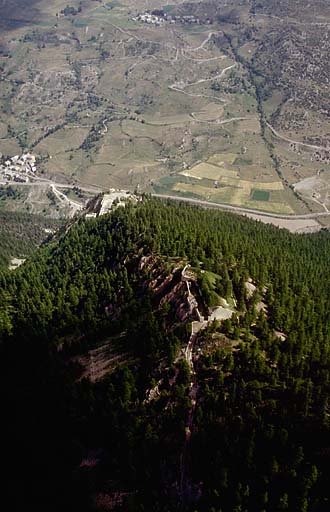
259, 195
222, 158
209, 171
238, 192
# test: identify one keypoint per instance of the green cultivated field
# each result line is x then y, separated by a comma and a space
260, 195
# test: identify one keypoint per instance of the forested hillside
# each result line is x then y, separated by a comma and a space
21, 233
111, 289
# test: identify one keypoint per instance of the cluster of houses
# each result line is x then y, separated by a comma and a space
151, 19
188, 19
18, 168
159, 17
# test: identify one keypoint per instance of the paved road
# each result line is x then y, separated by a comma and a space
222, 206
94, 189
199, 202
63, 198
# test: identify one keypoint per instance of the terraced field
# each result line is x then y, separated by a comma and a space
103, 98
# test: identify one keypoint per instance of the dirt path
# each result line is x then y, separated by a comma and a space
219, 120
216, 77
181, 86
201, 46
173, 88
126, 32
199, 60
185, 485
291, 141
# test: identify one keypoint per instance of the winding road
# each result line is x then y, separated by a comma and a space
63, 198
181, 86
298, 143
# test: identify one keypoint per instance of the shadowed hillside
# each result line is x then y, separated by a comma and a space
122, 393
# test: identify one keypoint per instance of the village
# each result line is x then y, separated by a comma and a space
159, 17
18, 168
149, 18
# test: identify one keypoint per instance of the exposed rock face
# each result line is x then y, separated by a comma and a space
170, 287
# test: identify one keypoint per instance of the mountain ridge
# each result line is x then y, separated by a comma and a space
260, 382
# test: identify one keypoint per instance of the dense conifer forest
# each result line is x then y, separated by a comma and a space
21, 233
261, 434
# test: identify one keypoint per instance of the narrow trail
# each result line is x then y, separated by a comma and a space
188, 491
181, 86
199, 60
173, 88
185, 484
149, 41
201, 46
215, 77
220, 120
